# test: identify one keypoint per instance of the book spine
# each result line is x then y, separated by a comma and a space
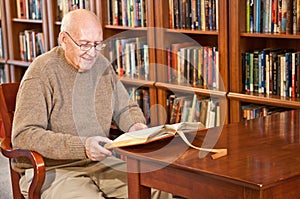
258, 15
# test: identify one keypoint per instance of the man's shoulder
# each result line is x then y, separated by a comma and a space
53, 55
48, 60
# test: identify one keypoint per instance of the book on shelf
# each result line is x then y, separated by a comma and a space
130, 13
273, 16
175, 56
129, 56
142, 98
272, 71
1, 44
29, 9
253, 111
193, 64
194, 108
31, 44
176, 111
2, 74
193, 14
65, 6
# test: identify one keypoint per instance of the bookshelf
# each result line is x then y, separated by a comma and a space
116, 27
243, 40
56, 10
228, 35
5, 75
16, 20
149, 23
170, 32
22, 19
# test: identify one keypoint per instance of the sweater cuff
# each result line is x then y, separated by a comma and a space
78, 148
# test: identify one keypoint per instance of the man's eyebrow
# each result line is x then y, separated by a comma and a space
87, 41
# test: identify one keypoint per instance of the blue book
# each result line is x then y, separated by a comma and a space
258, 14
198, 5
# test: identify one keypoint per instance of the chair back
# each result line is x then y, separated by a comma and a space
8, 94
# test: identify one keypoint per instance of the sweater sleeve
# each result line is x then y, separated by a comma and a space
31, 126
126, 111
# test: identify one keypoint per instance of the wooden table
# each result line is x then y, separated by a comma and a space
263, 161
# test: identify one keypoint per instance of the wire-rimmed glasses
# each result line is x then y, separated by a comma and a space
85, 47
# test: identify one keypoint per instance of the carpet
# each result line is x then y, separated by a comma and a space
5, 183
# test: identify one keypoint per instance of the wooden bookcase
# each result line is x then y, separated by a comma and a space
166, 35
54, 20
231, 39
4, 57
111, 32
157, 39
241, 41
15, 25
50, 26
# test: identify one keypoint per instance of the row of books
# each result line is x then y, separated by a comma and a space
253, 111
193, 109
273, 16
2, 74
29, 9
131, 13
130, 57
31, 44
272, 71
194, 14
194, 65
1, 44
141, 96
65, 6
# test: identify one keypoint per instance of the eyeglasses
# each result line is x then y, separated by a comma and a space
88, 46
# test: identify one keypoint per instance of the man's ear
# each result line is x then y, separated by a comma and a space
62, 39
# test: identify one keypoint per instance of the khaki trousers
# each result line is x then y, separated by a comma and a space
94, 181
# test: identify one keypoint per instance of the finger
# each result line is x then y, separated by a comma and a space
103, 139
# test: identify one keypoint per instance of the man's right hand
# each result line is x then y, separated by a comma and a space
94, 148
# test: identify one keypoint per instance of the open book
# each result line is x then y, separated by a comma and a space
148, 135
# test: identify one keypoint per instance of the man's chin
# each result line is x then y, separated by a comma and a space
84, 68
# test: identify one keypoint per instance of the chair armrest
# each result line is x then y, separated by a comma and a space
36, 160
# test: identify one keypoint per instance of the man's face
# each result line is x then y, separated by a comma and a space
80, 47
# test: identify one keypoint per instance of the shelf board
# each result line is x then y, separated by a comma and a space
136, 82
2, 60
125, 27
271, 100
189, 89
38, 21
271, 35
57, 23
19, 63
187, 31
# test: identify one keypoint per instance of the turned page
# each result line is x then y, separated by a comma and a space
151, 134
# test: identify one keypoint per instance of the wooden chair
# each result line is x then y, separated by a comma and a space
8, 92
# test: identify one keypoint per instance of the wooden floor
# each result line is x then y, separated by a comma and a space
5, 187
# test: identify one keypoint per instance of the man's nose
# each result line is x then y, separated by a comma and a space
92, 52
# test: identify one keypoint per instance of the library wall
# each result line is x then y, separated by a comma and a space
200, 51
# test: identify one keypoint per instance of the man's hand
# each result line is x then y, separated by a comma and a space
137, 126
94, 148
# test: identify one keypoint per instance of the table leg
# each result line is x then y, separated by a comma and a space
135, 189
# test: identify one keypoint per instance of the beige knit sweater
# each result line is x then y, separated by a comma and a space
57, 108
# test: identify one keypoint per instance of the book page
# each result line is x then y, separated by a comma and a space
151, 134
